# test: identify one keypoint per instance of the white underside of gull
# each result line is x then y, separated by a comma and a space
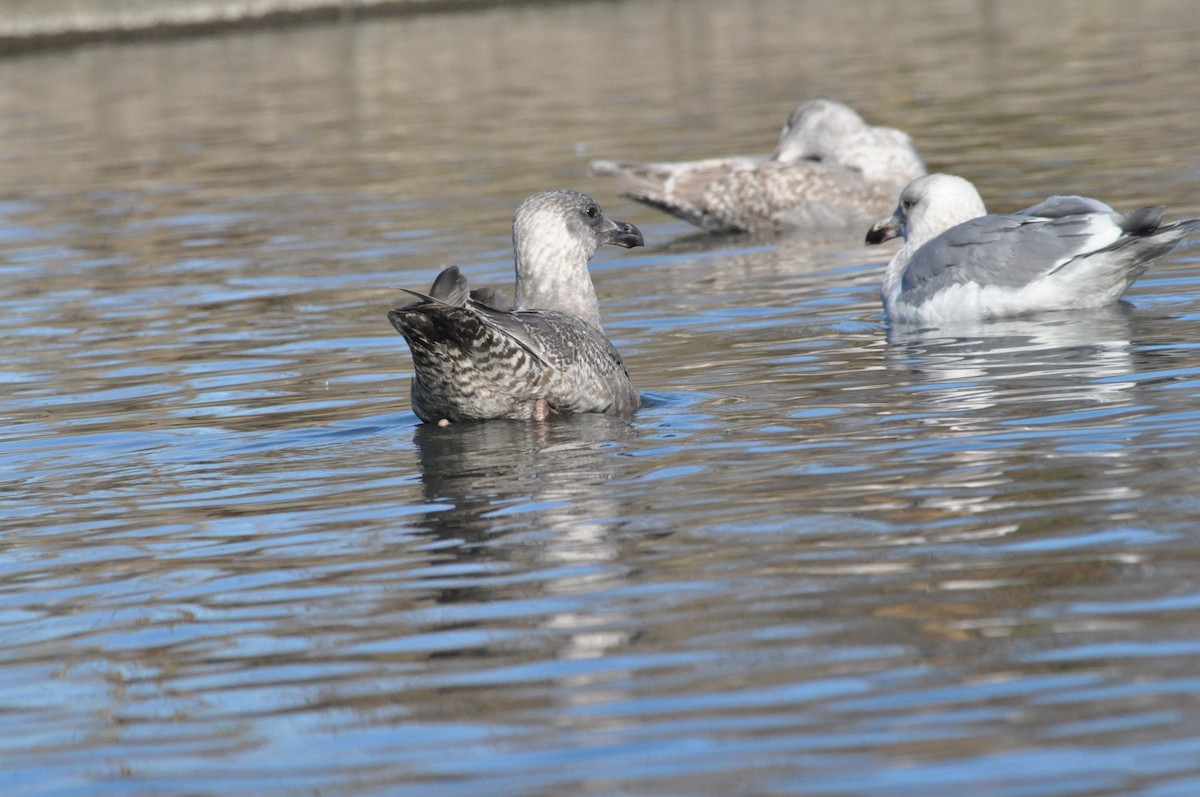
972, 301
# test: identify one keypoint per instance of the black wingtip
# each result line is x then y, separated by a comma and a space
1144, 221
451, 287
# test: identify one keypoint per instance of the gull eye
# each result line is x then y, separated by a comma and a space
592, 211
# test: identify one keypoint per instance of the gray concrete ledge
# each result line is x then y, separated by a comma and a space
39, 24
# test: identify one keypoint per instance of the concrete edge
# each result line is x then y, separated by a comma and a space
117, 30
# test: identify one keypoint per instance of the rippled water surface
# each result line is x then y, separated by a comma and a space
826, 558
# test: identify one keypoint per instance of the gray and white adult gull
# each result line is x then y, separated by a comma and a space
960, 263
830, 170
546, 355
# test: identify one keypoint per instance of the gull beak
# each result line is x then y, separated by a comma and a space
884, 230
622, 233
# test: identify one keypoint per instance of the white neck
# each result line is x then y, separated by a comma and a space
552, 273
890, 291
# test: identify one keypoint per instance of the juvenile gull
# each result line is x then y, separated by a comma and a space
830, 169
546, 355
960, 263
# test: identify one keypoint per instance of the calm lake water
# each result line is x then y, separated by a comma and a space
826, 558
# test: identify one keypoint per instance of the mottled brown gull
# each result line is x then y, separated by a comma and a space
548, 354
830, 170
960, 263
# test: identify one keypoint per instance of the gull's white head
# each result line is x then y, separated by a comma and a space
830, 132
815, 130
929, 206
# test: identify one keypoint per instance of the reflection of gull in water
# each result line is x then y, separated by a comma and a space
1069, 356
1057, 386
548, 473
535, 495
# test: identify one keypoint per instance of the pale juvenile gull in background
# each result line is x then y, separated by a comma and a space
960, 263
548, 354
831, 169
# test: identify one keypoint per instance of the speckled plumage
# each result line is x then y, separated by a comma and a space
830, 169
960, 263
549, 353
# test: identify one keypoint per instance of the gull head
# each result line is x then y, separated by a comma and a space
929, 206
